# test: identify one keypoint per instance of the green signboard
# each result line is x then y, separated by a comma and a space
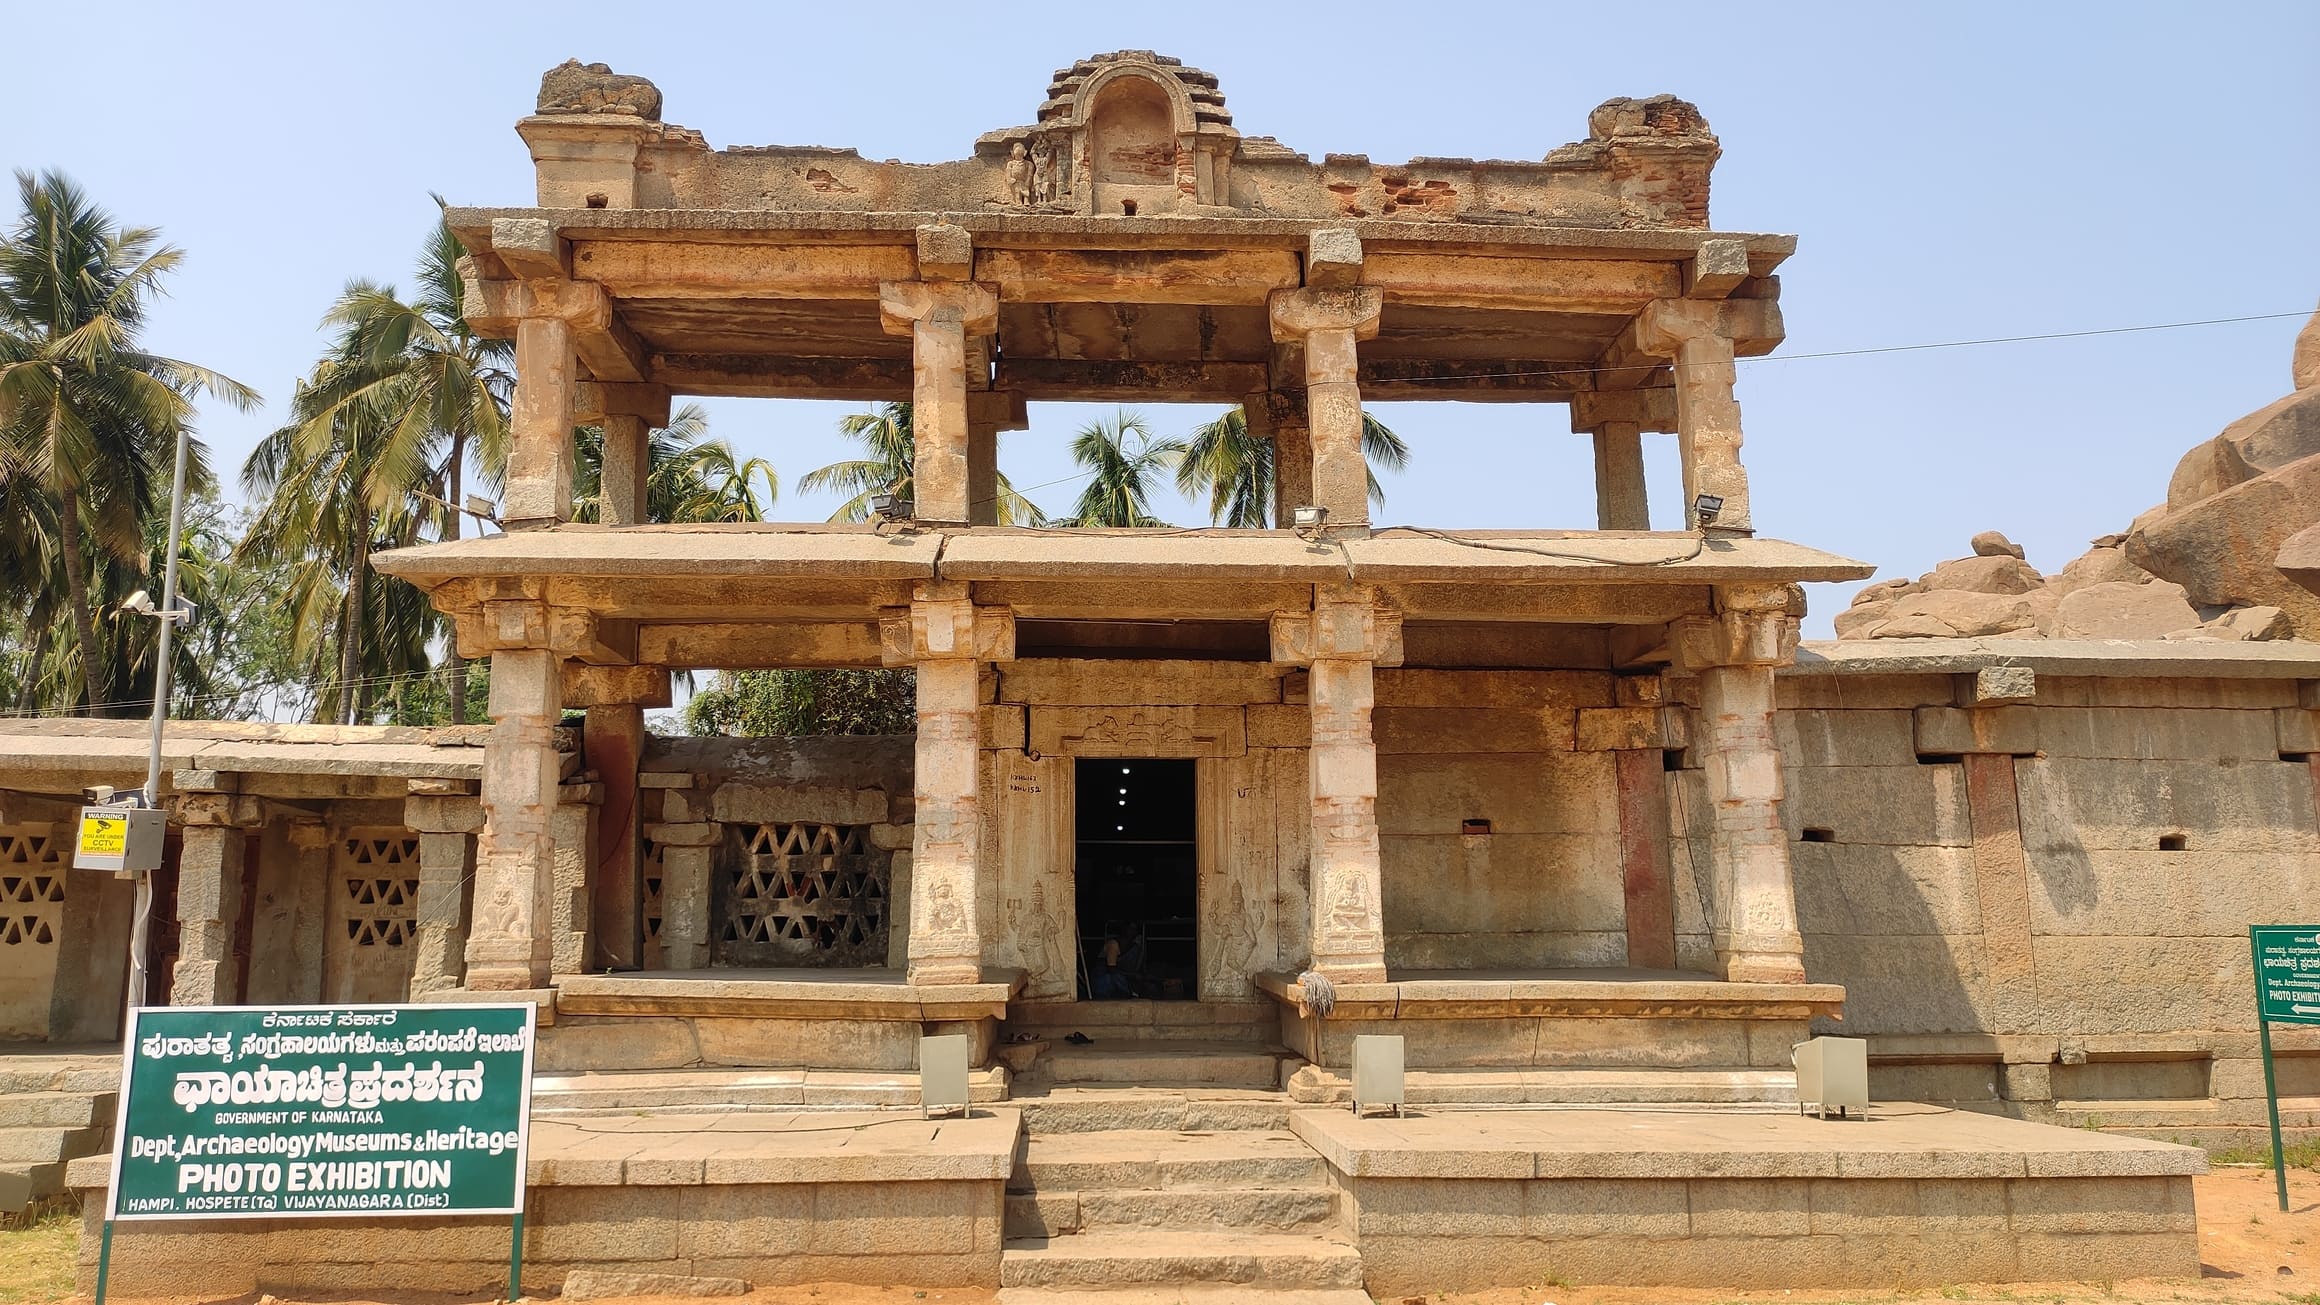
244, 1111
2287, 973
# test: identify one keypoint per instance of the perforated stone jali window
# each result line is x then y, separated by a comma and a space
803, 893
382, 902
31, 887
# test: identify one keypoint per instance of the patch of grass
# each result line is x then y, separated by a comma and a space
36, 1262
2299, 1155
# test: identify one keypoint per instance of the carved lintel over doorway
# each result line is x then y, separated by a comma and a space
1138, 731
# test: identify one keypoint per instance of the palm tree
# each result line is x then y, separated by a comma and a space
1235, 469
440, 384
1120, 492
886, 436
89, 415
688, 476
342, 479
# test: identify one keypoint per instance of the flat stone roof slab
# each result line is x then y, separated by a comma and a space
1894, 1140
2212, 659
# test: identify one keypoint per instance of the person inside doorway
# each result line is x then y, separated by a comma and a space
1110, 981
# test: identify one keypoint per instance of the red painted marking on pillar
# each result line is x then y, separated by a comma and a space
2002, 887
613, 744
1644, 866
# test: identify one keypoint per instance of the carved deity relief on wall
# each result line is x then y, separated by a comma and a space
1021, 188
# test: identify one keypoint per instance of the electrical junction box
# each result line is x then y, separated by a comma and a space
119, 839
942, 1075
1832, 1074
1377, 1072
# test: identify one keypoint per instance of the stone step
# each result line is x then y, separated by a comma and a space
1312, 1085
23, 1184
1057, 1214
1147, 1021
20, 1074
741, 1089
56, 1109
41, 1145
1150, 1159
1163, 1064
1095, 1108
1189, 1294
1145, 1257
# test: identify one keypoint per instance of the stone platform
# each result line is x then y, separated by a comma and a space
773, 1198
1744, 1198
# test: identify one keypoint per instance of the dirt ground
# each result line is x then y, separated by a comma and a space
2249, 1251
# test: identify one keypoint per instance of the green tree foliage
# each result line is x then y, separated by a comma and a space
688, 476
1126, 459
89, 421
805, 703
1234, 468
885, 468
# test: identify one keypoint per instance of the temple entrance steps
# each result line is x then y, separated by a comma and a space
55, 1107
1134, 1214
1153, 1044
1094, 1109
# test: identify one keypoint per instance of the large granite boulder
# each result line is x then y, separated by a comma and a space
2224, 549
2263, 441
2116, 610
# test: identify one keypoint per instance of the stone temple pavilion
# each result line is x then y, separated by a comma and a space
1518, 795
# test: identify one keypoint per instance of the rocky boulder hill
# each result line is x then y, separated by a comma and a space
2234, 552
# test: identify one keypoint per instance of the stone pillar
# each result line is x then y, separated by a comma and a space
211, 863
612, 747
571, 909
1340, 641
1702, 337
627, 414
988, 413
1279, 416
508, 947
938, 312
445, 814
1639, 733
539, 466
948, 639
1734, 653
1329, 315
1618, 419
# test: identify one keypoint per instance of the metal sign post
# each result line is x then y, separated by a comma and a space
2287, 966
243, 1112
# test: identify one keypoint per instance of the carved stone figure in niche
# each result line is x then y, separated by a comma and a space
1035, 935
1043, 188
1020, 189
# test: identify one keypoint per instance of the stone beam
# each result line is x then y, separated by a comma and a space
1087, 380
1717, 269
598, 686
749, 376
758, 646
647, 269
584, 636
1509, 380
1207, 277
1606, 286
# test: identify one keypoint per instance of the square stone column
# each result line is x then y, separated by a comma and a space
508, 945
1734, 654
538, 488
1341, 641
612, 743
1279, 416
1618, 419
211, 862
938, 312
1329, 315
445, 814
948, 639
1703, 337
988, 413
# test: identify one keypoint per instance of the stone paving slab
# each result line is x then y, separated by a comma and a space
1895, 1140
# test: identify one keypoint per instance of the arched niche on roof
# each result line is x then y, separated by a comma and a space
1137, 123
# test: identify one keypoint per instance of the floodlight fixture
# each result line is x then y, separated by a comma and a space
1707, 507
889, 507
1309, 516
481, 508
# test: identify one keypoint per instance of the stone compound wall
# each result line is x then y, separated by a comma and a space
2041, 909
58, 928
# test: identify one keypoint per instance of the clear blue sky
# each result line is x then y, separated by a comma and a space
1954, 172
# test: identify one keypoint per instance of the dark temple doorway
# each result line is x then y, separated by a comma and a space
1138, 870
